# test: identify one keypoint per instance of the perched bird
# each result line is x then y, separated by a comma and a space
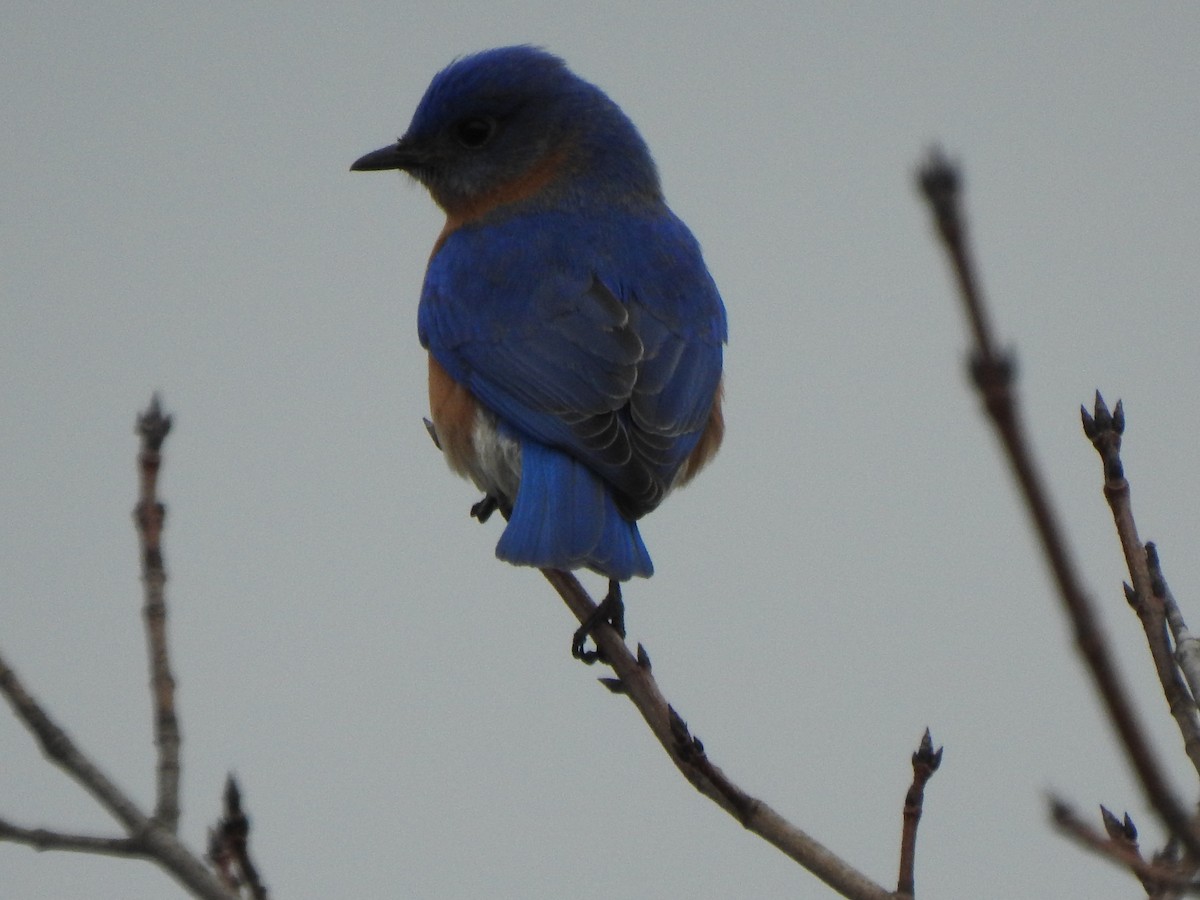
574, 333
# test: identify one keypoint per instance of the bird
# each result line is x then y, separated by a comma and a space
575, 336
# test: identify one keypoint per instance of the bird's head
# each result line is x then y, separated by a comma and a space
496, 126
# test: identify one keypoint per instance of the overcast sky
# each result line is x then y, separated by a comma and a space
401, 708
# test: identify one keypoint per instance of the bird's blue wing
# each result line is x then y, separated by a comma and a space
599, 338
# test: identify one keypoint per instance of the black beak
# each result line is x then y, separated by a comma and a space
394, 156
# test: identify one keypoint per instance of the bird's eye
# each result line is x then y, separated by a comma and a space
475, 132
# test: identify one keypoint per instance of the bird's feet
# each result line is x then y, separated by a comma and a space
610, 611
488, 505
484, 508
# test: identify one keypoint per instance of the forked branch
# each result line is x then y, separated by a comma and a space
993, 374
147, 837
635, 680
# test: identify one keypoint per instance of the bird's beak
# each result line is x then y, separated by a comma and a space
394, 156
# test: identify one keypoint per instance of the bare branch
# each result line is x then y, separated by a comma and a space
151, 838
229, 846
1121, 850
61, 750
1187, 648
157, 842
45, 839
1104, 430
149, 515
993, 374
638, 684
924, 762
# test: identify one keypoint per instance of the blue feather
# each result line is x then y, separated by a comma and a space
566, 298
565, 518
612, 354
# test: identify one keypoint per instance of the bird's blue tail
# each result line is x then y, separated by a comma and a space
565, 518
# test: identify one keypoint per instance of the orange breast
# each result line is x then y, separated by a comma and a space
520, 188
710, 441
452, 408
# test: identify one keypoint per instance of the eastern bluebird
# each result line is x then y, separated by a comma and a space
574, 332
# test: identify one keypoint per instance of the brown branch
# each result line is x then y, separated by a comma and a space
156, 842
1187, 648
993, 374
634, 680
1104, 430
61, 750
1120, 848
924, 763
45, 839
149, 837
229, 846
149, 515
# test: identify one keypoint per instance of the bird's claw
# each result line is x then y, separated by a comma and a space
484, 508
490, 504
610, 611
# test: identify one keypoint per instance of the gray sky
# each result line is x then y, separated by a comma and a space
401, 708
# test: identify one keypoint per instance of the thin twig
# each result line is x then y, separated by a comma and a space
150, 837
634, 680
924, 763
46, 839
1187, 648
1104, 430
158, 843
993, 374
1123, 833
229, 846
1121, 851
149, 515
58, 747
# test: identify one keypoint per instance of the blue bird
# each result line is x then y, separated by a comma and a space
574, 333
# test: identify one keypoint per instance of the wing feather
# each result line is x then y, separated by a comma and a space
604, 343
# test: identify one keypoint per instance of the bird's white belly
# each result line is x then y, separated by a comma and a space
496, 469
